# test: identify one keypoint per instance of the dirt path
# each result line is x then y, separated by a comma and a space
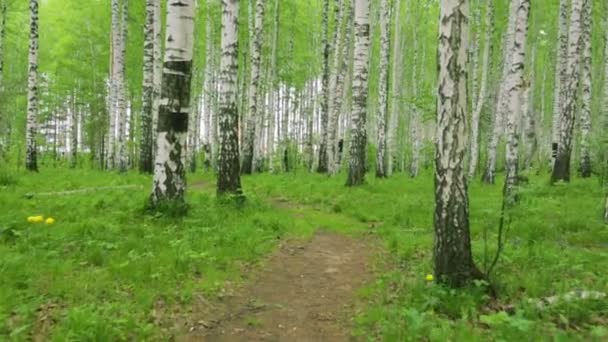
306, 291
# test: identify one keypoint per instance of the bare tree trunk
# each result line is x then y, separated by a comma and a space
515, 87
561, 169
229, 180
501, 103
397, 57
158, 70
358, 145
256, 58
334, 92
169, 183
146, 150
381, 156
453, 258
478, 105
31, 162
560, 77
586, 90
323, 167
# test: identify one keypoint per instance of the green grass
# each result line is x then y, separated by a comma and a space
556, 242
99, 271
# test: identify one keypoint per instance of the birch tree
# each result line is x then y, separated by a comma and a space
254, 83
335, 90
229, 181
501, 103
322, 166
381, 156
356, 172
145, 157
397, 56
31, 162
561, 169
453, 258
586, 91
169, 183
121, 99
478, 105
515, 87
560, 76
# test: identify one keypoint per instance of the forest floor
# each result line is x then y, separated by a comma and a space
302, 252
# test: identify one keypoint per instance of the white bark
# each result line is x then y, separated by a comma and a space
586, 91
31, 162
381, 155
146, 150
561, 169
334, 92
358, 144
560, 76
229, 181
121, 105
515, 87
397, 57
478, 105
453, 259
323, 166
169, 183
254, 87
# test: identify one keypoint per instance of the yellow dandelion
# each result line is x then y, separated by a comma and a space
429, 277
35, 219
49, 220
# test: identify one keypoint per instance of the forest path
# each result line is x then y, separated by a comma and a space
306, 290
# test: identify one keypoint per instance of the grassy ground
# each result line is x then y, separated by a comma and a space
99, 270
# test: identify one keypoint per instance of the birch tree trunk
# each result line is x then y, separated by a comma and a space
561, 169
74, 132
515, 87
586, 91
322, 167
210, 83
453, 258
158, 70
273, 86
501, 103
229, 180
31, 162
333, 112
169, 183
254, 83
356, 172
397, 57
145, 157
478, 105
381, 156
560, 77
121, 87
336, 138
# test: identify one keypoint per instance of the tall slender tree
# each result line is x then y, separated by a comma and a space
397, 56
560, 76
453, 258
586, 91
381, 155
229, 180
515, 88
358, 144
146, 150
322, 166
169, 183
31, 162
561, 169
254, 88
483, 88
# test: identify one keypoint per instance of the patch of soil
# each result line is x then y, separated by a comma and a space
305, 292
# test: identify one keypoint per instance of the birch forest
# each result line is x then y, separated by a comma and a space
303, 170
